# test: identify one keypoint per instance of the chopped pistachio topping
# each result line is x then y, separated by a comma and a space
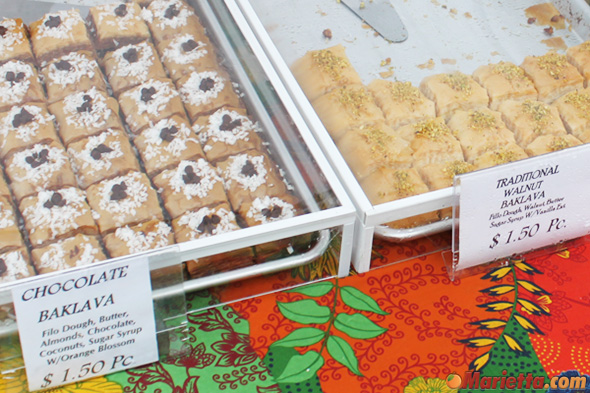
456, 168
403, 186
580, 101
376, 138
405, 92
354, 100
480, 120
553, 63
538, 112
458, 82
558, 143
509, 71
331, 64
504, 156
432, 129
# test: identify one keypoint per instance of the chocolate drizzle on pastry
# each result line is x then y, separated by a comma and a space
228, 125
207, 84
121, 10
63, 65
56, 200
22, 118
118, 191
87, 105
35, 160
99, 150
275, 212
248, 169
148, 94
3, 31
171, 12
75, 251
189, 45
169, 133
3, 267
53, 22
209, 224
14, 78
131, 55
189, 176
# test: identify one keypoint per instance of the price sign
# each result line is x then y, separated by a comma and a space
523, 206
87, 323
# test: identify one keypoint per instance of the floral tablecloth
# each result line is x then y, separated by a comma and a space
402, 327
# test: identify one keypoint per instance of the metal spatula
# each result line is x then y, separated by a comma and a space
381, 16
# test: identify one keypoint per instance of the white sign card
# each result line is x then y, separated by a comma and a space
87, 323
522, 206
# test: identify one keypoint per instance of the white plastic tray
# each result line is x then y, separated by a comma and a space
444, 35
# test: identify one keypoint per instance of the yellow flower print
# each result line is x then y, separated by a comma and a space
430, 385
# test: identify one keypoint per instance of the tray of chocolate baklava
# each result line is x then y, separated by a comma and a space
476, 84
128, 127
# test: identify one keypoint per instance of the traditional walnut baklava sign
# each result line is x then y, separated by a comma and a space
522, 206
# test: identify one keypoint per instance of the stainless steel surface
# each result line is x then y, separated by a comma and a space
381, 16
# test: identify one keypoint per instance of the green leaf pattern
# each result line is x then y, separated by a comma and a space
301, 367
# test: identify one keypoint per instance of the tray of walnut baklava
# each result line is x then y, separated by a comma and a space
476, 84
128, 127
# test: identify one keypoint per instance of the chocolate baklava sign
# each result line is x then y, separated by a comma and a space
86, 323
522, 206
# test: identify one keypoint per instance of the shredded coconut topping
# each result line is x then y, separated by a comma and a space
267, 209
15, 81
95, 117
38, 170
163, 93
57, 219
175, 53
226, 126
202, 219
11, 37
87, 158
16, 266
76, 66
160, 150
69, 19
55, 257
201, 88
138, 241
24, 132
170, 14
138, 67
106, 15
201, 181
6, 215
248, 181
136, 195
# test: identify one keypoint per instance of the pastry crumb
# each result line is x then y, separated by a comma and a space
327, 33
428, 65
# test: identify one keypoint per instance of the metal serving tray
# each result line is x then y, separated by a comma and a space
444, 36
293, 147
